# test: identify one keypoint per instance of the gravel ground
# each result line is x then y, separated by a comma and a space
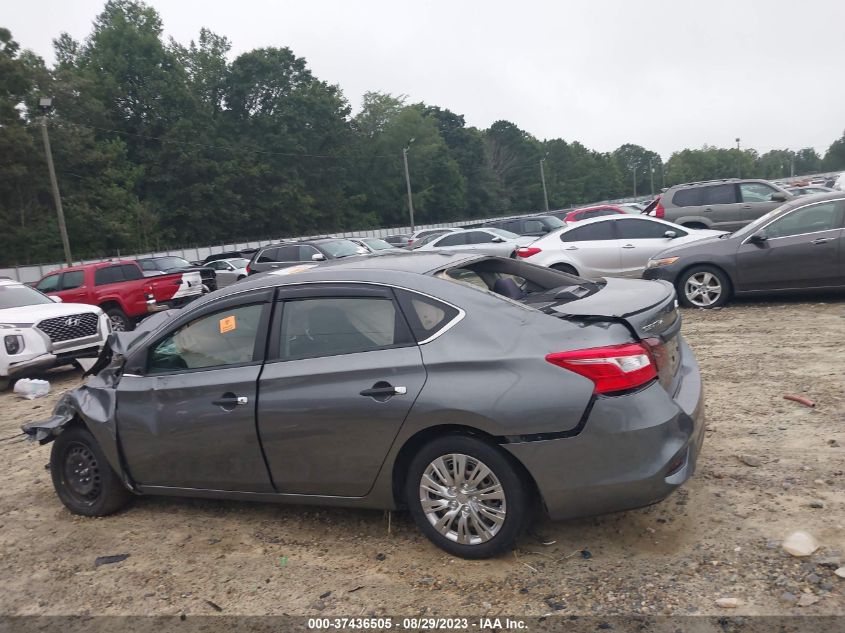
768, 467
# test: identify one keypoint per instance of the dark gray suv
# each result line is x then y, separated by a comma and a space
724, 205
287, 254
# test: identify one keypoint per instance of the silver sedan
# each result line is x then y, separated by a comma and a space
489, 241
229, 271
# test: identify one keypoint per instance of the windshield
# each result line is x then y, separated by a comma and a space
239, 263
340, 248
551, 221
19, 296
748, 229
377, 244
503, 233
166, 263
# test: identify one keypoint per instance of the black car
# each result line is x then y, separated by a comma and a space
246, 253
287, 254
532, 225
169, 264
797, 247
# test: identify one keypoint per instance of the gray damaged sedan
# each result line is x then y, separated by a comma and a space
467, 389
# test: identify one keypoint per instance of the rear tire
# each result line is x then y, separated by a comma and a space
704, 287
83, 479
477, 506
119, 321
565, 268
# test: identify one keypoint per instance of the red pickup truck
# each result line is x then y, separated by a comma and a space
121, 290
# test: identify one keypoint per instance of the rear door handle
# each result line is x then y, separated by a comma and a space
822, 240
571, 248
629, 246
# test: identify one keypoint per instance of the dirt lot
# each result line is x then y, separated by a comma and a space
718, 536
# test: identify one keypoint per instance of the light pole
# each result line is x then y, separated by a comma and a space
651, 173
635, 179
738, 159
408, 183
543, 178
45, 103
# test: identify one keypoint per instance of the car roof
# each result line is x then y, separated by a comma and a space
720, 181
5, 281
597, 207
94, 265
419, 262
816, 197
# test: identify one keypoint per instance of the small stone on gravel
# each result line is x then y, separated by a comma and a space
728, 603
800, 544
807, 599
750, 460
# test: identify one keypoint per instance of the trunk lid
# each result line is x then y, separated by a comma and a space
649, 310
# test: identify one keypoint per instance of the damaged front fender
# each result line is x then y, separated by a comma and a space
94, 404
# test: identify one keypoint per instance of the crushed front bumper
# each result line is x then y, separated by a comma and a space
634, 450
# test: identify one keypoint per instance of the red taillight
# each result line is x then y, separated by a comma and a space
659, 211
527, 251
247, 269
572, 216
612, 368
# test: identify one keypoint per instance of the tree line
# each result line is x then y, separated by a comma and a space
159, 144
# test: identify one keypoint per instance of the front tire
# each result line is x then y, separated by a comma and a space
83, 479
704, 287
467, 496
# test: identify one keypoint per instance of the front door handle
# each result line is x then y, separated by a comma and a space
571, 248
229, 401
382, 390
822, 240
629, 246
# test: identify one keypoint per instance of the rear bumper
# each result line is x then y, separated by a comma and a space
634, 450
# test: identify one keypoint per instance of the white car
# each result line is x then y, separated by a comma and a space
375, 245
40, 332
609, 246
228, 271
426, 232
490, 241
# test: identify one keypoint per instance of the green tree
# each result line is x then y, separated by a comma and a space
834, 158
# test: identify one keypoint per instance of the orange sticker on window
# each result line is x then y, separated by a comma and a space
228, 324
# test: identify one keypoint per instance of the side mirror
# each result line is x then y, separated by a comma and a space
318, 257
498, 240
56, 299
779, 196
670, 234
758, 238
546, 229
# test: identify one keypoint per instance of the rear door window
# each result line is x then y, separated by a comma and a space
689, 197
131, 272
719, 194
108, 275
478, 237
452, 239
288, 253
599, 231
533, 226
332, 326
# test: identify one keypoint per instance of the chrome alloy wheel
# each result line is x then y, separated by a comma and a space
703, 289
463, 499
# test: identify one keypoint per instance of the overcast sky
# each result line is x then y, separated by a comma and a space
663, 74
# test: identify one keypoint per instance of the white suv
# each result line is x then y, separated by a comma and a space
38, 332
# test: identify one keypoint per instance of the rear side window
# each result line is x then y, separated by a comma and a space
331, 326
425, 315
689, 197
592, 232
478, 237
49, 284
643, 229
268, 255
73, 279
108, 275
